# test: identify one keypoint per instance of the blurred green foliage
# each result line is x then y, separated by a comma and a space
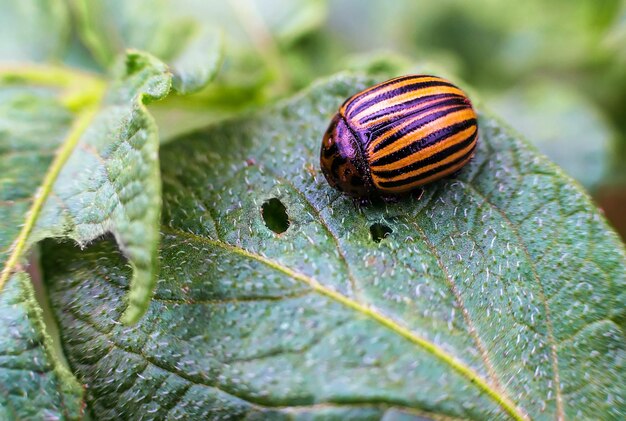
532, 62
498, 48
555, 70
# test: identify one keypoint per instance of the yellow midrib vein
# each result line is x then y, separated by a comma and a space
467, 372
79, 126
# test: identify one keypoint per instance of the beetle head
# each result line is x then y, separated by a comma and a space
341, 159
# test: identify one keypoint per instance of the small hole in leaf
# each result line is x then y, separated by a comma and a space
379, 231
275, 215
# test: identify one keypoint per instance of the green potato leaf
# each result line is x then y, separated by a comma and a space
33, 384
111, 180
60, 150
77, 159
104, 176
496, 295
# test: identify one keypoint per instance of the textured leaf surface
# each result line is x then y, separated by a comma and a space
111, 182
496, 295
33, 385
74, 166
32, 125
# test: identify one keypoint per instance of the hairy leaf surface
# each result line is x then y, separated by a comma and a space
496, 295
77, 160
33, 385
111, 181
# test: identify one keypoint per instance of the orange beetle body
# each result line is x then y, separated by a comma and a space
399, 135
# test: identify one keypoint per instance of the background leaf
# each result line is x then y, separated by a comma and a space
108, 28
22, 34
495, 295
563, 125
33, 384
198, 63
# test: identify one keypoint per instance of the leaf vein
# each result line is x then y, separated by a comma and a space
448, 359
466, 316
532, 265
20, 243
324, 223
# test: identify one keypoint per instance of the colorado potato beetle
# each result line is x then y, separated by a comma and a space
398, 135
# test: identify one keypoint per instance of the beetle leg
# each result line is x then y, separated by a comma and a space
360, 202
418, 193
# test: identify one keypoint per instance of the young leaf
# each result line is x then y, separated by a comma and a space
104, 177
496, 295
65, 193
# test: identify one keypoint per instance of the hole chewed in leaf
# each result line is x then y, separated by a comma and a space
379, 231
448, 305
275, 215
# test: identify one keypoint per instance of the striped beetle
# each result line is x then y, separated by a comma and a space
399, 135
